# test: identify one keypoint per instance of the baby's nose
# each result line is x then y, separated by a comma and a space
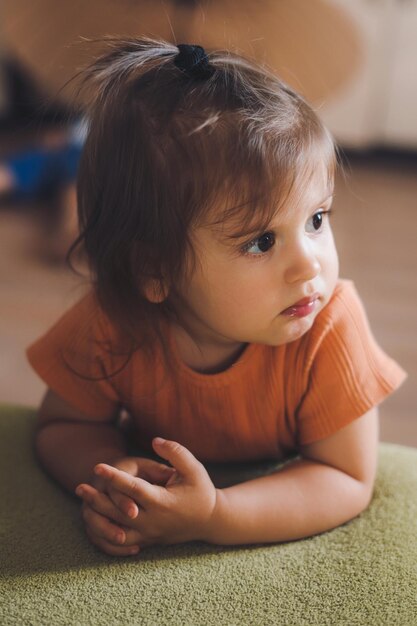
303, 265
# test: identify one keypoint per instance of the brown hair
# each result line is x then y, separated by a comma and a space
165, 152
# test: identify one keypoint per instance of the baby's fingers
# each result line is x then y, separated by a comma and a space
110, 548
102, 527
125, 504
154, 472
100, 502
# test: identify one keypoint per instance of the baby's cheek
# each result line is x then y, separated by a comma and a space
331, 269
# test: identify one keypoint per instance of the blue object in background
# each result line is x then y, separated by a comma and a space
40, 170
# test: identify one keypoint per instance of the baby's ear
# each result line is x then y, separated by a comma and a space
156, 291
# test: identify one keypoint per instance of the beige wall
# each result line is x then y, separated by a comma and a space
310, 43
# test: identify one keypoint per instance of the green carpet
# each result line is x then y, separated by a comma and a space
362, 573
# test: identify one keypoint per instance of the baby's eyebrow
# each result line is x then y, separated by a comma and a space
226, 235
330, 195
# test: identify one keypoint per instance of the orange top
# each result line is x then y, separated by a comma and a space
269, 401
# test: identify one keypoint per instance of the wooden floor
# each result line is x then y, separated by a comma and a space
375, 224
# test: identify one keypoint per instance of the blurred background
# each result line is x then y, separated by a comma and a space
354, 60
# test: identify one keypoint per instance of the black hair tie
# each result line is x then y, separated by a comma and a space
194, 61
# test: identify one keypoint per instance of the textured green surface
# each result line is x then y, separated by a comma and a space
364, 572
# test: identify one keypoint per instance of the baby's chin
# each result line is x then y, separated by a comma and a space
291, 330
298, 328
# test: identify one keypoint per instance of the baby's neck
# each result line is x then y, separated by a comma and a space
207, 359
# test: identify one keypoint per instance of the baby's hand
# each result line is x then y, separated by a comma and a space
99, 514
140, 467
182, 510
104, 504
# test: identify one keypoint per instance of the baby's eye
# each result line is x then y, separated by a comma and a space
315, 222
260, 245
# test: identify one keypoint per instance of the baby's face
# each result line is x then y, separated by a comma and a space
245, 291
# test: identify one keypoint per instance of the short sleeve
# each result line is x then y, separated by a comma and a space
72, 358
348, 373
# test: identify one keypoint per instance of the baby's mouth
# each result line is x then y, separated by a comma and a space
303, 307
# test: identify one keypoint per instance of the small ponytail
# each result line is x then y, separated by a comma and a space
124, 60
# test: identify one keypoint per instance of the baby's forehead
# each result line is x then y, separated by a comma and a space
247, 218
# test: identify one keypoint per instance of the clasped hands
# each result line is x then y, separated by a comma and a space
138, 502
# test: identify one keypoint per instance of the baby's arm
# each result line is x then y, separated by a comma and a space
331, 484
69, 443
